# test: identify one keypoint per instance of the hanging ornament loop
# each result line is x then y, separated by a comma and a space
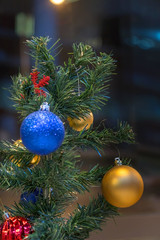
79, 91
118, 162
5, 215
45, 107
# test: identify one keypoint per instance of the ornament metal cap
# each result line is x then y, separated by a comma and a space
118, 161
5, 215
45, 107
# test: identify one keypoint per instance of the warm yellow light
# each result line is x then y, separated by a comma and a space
57, 2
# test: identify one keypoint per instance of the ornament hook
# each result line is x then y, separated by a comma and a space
79, 91
45, 107
5, 215
118, 161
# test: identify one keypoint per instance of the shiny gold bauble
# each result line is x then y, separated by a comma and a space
35, 160
122, 186
81, 123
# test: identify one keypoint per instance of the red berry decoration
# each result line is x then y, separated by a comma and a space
15, 228
42, 82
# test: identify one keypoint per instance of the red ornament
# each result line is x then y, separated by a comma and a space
15, 228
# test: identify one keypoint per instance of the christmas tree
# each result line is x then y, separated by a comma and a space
56, 105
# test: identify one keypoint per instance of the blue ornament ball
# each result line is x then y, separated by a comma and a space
31, 197
42, 132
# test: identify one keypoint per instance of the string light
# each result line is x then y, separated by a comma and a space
57, 2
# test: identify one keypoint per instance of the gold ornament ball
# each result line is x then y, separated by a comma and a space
122, 186
35, 160
81, 123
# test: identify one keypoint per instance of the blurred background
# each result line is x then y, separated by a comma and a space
130, 29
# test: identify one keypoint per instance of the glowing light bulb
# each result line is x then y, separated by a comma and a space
57, 2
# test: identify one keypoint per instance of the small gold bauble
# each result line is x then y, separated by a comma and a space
18, 143
81, 123
122, 186
35, 160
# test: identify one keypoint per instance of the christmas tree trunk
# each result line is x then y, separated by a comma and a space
56, 105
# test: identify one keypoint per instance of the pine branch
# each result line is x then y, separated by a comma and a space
47, 227
59, 172
17, 154
77, 87
88, 218
84, 66
98, 139
44, 60
43, 206
94, 175
24, 97
80, 224
94, 72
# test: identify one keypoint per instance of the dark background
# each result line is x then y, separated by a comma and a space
130, 29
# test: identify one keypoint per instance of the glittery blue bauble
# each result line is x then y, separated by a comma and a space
42, 132
32, 196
